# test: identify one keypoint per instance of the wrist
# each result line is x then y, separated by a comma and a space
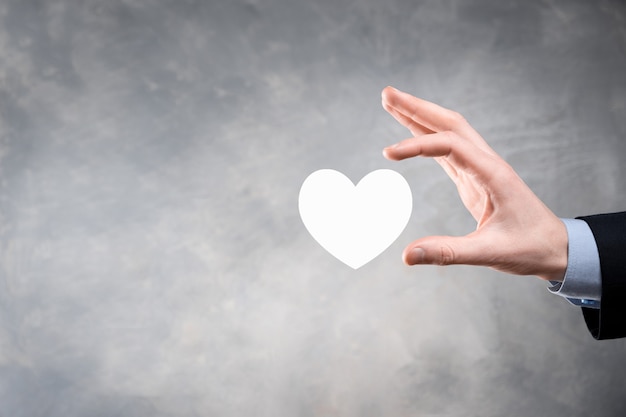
556, 263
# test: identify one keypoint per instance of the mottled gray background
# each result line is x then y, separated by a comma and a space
152, 258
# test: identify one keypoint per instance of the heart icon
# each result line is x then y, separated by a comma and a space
355, 224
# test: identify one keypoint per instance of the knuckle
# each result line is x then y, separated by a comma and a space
457, 119
452, 140
446, 255
450, 135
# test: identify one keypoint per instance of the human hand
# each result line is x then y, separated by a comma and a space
516, 233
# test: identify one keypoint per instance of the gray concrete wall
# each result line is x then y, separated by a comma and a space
152, 258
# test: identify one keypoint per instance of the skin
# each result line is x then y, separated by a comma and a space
516, 233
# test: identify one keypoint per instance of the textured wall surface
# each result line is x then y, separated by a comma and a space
152, 258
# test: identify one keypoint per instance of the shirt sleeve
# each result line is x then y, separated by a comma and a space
582, 284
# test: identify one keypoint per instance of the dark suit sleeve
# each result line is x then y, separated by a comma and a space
609, 231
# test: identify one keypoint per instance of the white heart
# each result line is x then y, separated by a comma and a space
355, 224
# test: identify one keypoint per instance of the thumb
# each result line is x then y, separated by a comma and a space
447, 250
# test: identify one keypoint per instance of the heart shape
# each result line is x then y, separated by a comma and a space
355, 224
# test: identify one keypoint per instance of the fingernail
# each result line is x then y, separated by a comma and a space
416, 256
388, 151
387, 89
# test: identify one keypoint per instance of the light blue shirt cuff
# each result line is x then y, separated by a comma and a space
582, 284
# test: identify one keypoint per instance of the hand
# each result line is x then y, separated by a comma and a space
516, 233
